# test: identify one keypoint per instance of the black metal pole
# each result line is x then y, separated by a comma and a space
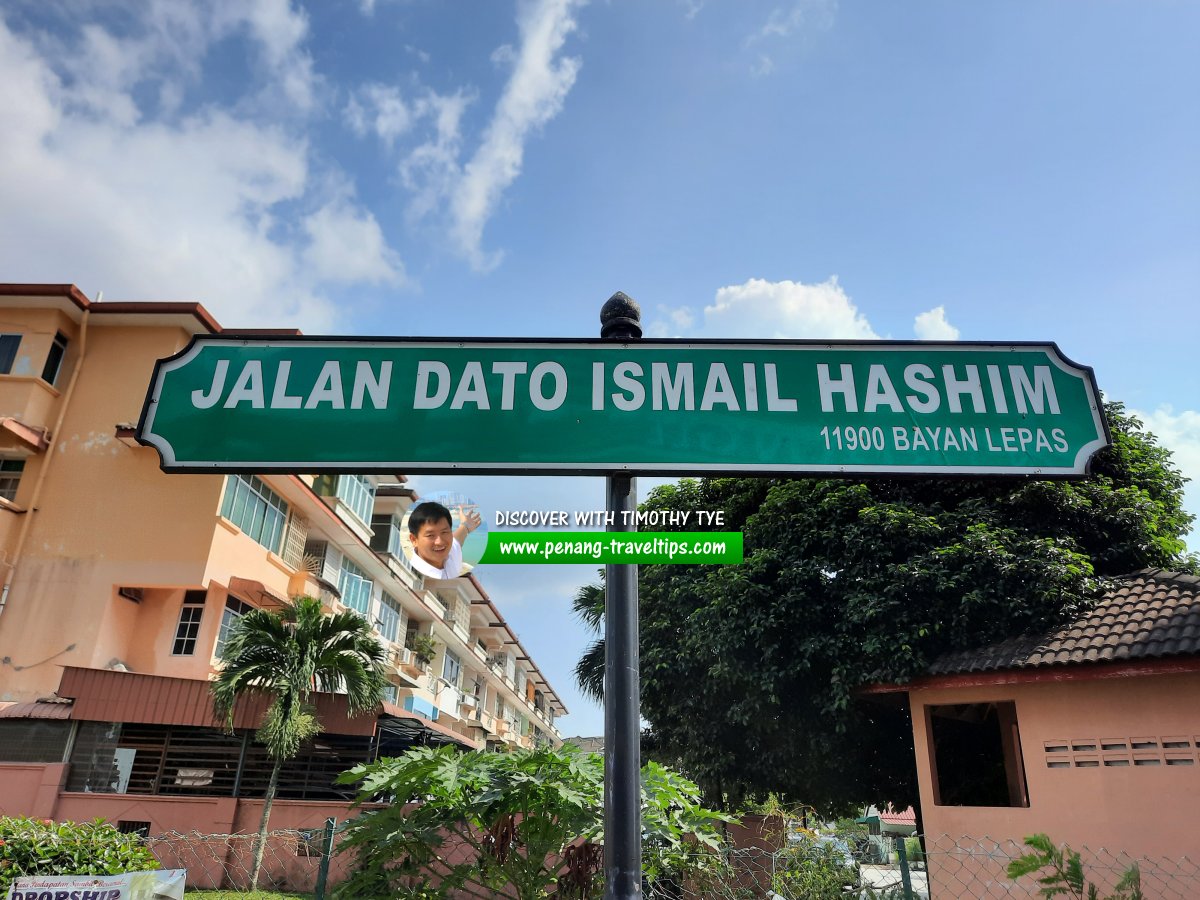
620, 320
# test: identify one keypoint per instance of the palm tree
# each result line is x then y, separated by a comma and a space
589, 607
289, 655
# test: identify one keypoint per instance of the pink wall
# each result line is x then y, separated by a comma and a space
1139, 810
189, 832
30, 789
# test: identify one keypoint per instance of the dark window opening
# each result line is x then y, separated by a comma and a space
188, 629
181, 760
10, 477
8, 352
976, 750
54, 361
33, 740
132, 826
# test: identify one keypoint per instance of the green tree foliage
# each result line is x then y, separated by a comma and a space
510, 825
749, 672
44, 847
289, 655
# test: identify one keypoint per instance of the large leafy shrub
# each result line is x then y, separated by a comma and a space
512, 825
44, 847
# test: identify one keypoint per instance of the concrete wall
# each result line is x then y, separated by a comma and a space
30, 789
188, 832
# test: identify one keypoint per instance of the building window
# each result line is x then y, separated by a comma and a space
8, 351
234, 610
386, 536
356, 491
54, 361
976, 755
355, 587
391, 693
188, 629
390, 617
452, 669
10, 477
256, 509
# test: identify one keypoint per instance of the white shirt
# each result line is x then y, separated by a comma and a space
452, 568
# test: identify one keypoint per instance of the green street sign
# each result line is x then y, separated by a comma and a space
651, 407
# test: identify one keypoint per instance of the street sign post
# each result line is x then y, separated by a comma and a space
649, 407
622, 407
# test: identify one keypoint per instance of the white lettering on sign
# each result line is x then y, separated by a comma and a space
249, 387
930, 389
629, 386
673, 387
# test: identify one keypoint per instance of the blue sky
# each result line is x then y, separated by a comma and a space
986, 171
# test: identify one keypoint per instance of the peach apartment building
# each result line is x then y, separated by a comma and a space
119, 584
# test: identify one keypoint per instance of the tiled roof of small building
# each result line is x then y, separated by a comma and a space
1150, 614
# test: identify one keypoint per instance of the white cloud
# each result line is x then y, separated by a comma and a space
379, 109
121, 187
460, 189
533, 96
280, 31
347, 245
932, 326
1179, 432
431, 170
792, 23
783, 309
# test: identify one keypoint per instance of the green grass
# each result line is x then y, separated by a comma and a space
244, 895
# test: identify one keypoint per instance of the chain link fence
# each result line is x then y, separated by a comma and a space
293, 861
969, 867
830, 867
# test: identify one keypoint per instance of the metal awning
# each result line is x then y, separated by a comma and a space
257, 591
37, 709
410, 726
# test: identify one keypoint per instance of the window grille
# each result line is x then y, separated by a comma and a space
133, 826
293, 541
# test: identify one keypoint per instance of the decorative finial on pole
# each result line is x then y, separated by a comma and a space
620, 318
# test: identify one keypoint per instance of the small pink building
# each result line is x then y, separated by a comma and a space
1090, 734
